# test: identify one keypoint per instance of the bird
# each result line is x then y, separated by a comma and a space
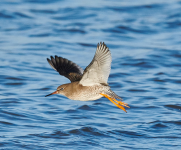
89, 84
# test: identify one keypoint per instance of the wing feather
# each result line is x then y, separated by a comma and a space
66, 68
97, 72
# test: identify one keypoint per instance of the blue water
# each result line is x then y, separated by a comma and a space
145, 41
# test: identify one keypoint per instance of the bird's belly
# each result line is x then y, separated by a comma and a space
86, 98
87, 93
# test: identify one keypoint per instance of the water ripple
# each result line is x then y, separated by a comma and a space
144, 40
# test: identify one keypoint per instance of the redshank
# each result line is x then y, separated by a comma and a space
88, 84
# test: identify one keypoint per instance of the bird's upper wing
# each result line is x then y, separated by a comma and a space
66, 68
99, 69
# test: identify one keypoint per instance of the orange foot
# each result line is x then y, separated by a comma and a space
116, 102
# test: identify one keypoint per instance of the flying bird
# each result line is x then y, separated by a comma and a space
88, 84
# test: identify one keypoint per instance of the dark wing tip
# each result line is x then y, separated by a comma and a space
101, 44
52, 63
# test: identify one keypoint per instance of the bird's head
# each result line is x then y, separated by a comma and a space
60, 90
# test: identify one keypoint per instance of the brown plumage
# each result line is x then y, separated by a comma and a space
90, 84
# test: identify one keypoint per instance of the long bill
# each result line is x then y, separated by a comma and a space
56, 92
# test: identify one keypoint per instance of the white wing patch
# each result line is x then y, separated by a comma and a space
99, 69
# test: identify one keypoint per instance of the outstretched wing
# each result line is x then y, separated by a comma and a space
66, 68
99, 69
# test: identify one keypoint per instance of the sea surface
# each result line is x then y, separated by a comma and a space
145, 41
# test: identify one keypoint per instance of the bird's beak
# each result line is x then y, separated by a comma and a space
56, 92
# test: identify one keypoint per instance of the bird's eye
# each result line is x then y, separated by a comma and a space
61, 89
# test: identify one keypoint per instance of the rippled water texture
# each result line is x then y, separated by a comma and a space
145, 41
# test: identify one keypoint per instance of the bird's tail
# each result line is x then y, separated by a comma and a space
111, 94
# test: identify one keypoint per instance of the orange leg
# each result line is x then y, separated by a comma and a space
116, 102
